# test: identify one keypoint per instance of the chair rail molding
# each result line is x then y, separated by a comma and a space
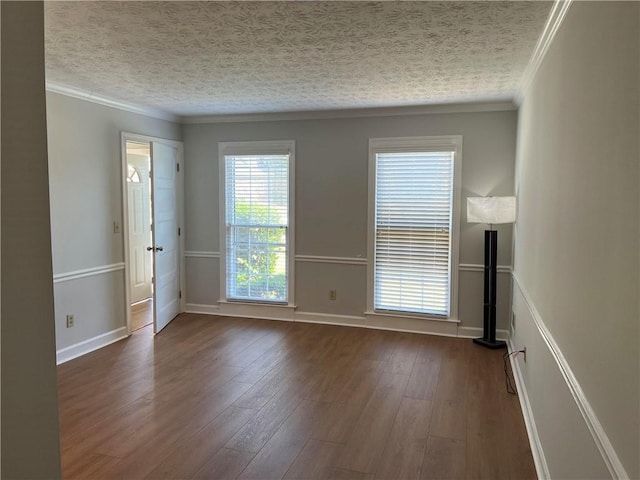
201, 254
87, 272
335, 260
476, 267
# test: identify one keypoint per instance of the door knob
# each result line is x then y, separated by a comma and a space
159, 249
149, 249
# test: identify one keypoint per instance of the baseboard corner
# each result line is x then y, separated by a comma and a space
87, 346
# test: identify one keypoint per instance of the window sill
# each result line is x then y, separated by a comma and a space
412, 316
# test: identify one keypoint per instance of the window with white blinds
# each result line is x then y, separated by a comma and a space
256, 223
413, 234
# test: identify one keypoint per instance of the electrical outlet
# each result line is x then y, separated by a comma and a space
116, 227
70, 320
333, 294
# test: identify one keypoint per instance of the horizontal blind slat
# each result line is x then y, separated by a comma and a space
413, 212
257, 218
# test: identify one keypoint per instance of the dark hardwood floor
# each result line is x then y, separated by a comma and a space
224, 398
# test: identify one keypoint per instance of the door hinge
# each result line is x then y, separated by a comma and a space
178, 231
180, 294
178, 166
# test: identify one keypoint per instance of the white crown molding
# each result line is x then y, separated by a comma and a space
87, 272
91, 344
556, 16
500, 105
496, 106
110, 102
609, 455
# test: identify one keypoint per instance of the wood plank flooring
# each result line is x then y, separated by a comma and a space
141, 314
225, 398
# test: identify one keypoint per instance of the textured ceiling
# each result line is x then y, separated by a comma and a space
195, 58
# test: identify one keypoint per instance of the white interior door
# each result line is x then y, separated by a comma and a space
166, 266
139, 226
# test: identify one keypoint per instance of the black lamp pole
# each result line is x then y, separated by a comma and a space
489, 325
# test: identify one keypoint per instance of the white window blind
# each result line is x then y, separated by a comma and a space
413, 220
257, 227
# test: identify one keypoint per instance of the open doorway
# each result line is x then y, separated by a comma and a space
152, 220
138, 157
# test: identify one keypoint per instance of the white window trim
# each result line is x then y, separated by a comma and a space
407, 144
272, 147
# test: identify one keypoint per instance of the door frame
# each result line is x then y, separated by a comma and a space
179, 146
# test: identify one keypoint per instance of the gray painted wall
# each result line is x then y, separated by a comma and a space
579, 269
86, 198
577, 239
331, 200
30, 446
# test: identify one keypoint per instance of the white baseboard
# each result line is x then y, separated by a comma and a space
537, 452
476, 332
600, 437
428, 327
411, 324
243, 310
395, 324
257, 310
202, 308
87, 346
329, 319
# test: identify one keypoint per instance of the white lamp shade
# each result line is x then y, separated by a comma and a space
491, 210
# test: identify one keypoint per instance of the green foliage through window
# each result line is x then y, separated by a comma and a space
260, 259
257, 222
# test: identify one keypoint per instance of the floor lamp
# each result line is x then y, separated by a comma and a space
491, 210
